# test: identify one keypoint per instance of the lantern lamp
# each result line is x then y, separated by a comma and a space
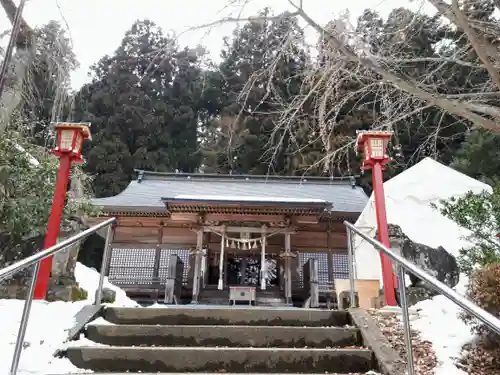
373, 144
69, 139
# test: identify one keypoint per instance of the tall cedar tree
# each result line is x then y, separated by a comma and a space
262, 68
144, 104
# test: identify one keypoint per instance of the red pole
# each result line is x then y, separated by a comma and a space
383, 234
42, 282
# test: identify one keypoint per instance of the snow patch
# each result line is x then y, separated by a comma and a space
408, 198
88, 279
30, 158
48, 328
438, 322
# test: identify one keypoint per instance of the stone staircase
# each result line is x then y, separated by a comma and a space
223, 340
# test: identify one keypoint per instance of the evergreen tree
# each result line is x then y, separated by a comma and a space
144, 104
479, 156
47, 94
261, 70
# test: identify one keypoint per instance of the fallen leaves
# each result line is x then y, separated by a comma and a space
390, 325
478, 359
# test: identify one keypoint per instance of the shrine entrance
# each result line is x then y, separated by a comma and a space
246, 270
242, 269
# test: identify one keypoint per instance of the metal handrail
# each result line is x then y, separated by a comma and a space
404, 265
35, 260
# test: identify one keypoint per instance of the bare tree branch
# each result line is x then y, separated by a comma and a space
479, 44
408, 86
429, 59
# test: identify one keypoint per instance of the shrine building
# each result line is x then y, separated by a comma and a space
229, 230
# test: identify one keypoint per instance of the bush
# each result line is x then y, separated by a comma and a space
484, 291
480, 214
78, 294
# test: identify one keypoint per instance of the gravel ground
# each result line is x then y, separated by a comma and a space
391, 326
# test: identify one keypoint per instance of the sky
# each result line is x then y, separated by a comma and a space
96, 27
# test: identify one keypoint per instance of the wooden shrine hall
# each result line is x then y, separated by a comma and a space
215, 233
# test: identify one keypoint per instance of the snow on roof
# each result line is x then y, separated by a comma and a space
248, 199
431, 181
149, 193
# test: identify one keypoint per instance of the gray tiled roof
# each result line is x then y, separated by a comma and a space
148, 191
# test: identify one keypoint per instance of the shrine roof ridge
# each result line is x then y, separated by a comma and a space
152, 175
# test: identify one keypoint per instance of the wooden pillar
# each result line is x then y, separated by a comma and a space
156, 267
197, 266
263, 264
204, 262
330, 258
220, 286
287, 255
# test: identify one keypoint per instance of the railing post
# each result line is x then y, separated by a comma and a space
105, 259
350, 264
24, 321
406, 319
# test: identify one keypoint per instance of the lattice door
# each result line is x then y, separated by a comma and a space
165, 258
132, 266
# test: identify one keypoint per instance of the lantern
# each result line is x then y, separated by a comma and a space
69, 139
373, 144
69, 142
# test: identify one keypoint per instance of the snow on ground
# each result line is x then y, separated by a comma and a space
47, 328
88, 279
438, 323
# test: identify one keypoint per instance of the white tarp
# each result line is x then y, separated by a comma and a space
408, 198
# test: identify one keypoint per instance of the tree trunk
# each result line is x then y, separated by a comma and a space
21, 60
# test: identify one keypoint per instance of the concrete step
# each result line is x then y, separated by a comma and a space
211, 373
223, 336
206, 315
242, 360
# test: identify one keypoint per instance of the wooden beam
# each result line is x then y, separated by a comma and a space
235, 229
306, 219
189, 217
243, 218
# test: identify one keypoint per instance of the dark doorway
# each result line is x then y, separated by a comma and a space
91, 251
213, 269
241, 270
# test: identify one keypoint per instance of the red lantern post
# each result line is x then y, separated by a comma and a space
373, 144
69, 141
